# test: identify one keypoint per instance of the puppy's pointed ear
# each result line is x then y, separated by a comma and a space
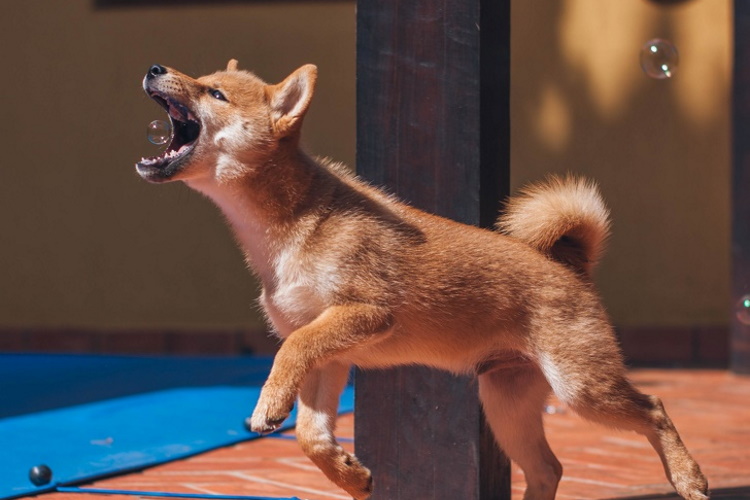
291, 98
232, 65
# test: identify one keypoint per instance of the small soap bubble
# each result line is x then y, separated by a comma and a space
554, 410
743, 310
659, 59
159, 132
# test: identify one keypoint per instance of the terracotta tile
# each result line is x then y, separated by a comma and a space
711, 409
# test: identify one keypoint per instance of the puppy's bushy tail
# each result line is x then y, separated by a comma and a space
564, 218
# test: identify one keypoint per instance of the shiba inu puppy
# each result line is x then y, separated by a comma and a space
351, 275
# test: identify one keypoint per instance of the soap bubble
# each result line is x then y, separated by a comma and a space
159, 132
743, 310
659, 59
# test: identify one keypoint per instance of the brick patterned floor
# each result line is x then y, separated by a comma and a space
711, 409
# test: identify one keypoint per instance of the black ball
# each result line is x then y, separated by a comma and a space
40, 475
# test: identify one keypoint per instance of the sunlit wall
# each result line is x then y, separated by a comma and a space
659, 148
86, 243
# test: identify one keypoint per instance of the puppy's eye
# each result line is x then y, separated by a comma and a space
216, 94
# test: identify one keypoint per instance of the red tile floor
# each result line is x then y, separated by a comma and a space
711, 408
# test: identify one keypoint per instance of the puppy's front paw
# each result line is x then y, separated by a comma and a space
261, 425
269, 414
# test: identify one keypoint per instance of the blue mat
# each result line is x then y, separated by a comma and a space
102, 438
36, 382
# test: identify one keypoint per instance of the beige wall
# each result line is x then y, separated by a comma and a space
86, 243
660, 149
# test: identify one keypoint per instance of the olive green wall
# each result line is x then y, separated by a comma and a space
86, 243
660, 149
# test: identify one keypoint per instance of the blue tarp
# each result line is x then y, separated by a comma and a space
95, 439
36, 382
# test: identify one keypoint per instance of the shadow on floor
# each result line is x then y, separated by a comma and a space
741, 493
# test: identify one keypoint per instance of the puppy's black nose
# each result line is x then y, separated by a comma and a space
156, 70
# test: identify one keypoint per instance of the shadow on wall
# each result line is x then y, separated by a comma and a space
87, 245
658, 148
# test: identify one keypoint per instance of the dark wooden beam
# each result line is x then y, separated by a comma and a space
433, 126
740, 332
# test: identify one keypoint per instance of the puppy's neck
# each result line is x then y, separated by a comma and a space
270, 205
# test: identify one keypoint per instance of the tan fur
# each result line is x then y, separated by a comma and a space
564, 218
353, 276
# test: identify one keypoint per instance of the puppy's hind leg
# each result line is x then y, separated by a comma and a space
513, 400
316, 421
624, 407
598, 390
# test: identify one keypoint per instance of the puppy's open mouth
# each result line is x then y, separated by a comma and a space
186, 129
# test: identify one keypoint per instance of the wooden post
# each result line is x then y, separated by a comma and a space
433, 126
740, 332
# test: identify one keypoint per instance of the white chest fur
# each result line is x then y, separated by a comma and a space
297, 285
300, 292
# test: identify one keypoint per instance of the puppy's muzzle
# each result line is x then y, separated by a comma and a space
156, 70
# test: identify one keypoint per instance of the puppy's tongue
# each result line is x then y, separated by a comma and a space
175, 113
